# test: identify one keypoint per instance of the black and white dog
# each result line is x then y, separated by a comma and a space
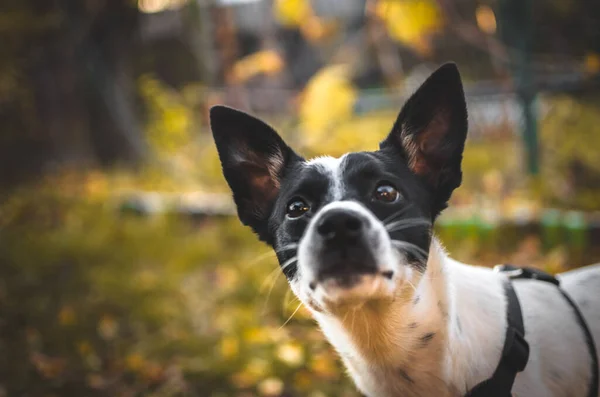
354, 237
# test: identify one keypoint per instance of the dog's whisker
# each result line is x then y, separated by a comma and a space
260, 258
271, 278
290, 317
393, 216
353, 318
367, 330
430, 277
406, 223
264, 309
396, 214
402, 227
412, 285
287, 247
287, 300
289, 262
409, 244
411, 248
274, 274
345, 317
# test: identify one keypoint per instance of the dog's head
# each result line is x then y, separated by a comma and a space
356, 228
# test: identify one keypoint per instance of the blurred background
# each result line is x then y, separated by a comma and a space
123, 269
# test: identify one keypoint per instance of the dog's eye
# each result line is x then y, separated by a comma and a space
387, 193
296, 208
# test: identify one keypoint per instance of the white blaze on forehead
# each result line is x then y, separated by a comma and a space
331, 167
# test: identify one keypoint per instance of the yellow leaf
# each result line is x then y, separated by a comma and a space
258, 368
84, 348
316, 29
134, 361
229, 347
267, 62
226, 278
66, 316
256, 336
270, 387
292, 13
323, 365
592, 63
328, 99
411, 22
96, 184
486, 20
291, 354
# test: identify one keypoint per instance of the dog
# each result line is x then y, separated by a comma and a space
353, 235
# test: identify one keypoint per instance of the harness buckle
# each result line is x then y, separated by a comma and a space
514, 272
510, 271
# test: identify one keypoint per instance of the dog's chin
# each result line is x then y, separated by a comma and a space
352, 291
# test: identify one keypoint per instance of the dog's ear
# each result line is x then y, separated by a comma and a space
254, 159
430, 133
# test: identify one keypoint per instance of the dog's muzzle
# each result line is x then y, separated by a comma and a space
343, 246
346, 257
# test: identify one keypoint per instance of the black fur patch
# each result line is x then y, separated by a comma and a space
430, 133
255, 160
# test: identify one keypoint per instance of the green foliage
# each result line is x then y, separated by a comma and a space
169, 125
93, 302
570, 140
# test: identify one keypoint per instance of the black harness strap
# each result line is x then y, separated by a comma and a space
516, 350
589, 339
515, 353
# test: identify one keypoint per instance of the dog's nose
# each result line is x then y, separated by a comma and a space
340, 226
344, 248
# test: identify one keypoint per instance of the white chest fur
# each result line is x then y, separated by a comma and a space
442, 334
